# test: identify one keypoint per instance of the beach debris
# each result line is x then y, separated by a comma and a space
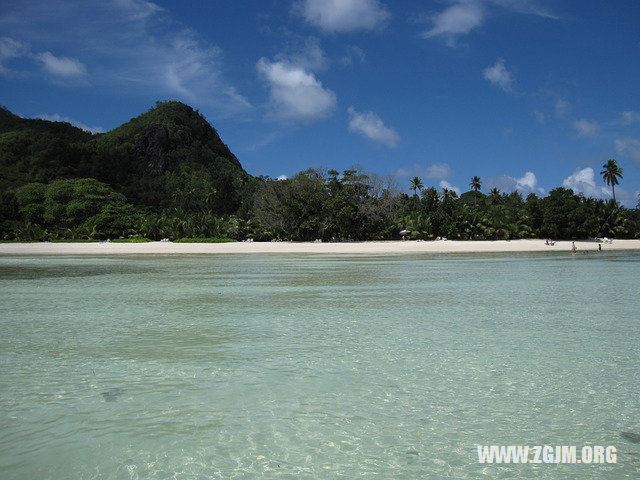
634, 437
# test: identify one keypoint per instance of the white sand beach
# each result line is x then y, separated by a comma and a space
386, 247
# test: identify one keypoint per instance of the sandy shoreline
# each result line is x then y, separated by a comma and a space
387, 247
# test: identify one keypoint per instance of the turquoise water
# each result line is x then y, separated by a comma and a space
292, 366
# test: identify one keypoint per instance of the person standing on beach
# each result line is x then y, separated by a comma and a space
573, 247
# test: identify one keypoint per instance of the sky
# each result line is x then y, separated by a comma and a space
529, 95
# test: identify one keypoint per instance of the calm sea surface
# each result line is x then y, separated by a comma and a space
292, 366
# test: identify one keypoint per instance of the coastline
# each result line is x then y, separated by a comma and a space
369, 247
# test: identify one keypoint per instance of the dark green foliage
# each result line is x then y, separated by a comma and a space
169, 157
114, 221
313, 205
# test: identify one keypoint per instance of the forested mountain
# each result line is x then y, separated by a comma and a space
169, 157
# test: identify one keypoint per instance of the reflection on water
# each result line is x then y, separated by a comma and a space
292, 366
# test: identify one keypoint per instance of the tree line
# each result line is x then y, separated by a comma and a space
314, 204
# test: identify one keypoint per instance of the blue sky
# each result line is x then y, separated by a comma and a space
527, 94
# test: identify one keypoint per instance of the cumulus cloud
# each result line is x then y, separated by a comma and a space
458, 19
62, 66
437, 171
499, 75
628, 147
307, 54
59, 118
525, 185
527, 182
586, 128
444, 184
371, 126
280, 178
583, 181
295, 93
342, 15
464, 16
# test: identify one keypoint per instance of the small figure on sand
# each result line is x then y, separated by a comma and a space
599, 247
573, 247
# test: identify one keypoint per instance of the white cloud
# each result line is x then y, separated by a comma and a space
62, 66
296, 93
583, 181
59, 118
562, 107
630, 117
457, 19
280, 178
586, 128
309, 56
342, 15
129, 46
444, 184
628, 147
539, 116
11, 48
525, 185
499, 75
464, 16
437, 171
57, 66
371, 126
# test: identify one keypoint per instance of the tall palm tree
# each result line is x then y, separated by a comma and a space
610, 175
475, 183
416, 184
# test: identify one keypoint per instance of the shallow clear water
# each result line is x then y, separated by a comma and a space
292, 366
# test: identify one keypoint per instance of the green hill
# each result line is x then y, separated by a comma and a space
168, 157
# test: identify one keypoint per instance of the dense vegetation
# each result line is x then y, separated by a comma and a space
167, 174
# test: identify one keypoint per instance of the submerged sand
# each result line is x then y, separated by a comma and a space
387, 247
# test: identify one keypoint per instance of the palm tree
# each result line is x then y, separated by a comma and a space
495, 196
416, 184
610, 175
475, 183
